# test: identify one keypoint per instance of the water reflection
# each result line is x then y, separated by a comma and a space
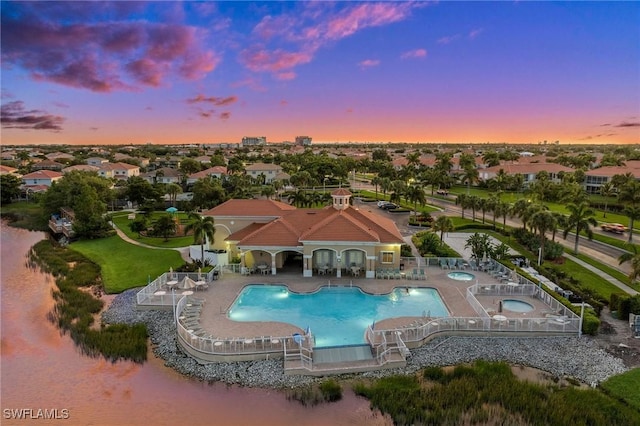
41, 369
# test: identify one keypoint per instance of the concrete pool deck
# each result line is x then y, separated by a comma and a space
222, 293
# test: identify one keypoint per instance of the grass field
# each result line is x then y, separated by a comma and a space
626, 387
124, 265
122, 222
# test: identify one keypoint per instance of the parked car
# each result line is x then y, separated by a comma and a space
616, 228
389, 206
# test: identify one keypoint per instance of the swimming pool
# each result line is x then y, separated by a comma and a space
516, 306
461, 276
336, 315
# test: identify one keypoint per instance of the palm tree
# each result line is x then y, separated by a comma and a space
376, 181
607, 190
415, 195
543, 220
470, 176
298, 198
203, 229
581, 218
630, 195
462, 201
442, 224
173, 189
268, 191
474, 203
634, 258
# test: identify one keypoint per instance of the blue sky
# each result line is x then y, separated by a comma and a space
185, 72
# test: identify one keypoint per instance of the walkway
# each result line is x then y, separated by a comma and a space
622, 286
184, 251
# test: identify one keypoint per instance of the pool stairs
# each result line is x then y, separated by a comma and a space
341, 360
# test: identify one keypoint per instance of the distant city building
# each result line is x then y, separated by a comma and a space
254, 140
303, 140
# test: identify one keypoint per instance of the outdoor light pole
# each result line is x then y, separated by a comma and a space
581, 318
539, 255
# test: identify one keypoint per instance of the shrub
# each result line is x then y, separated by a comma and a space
331, 390
590, 323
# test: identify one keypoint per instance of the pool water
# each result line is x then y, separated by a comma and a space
516, 306
336, 315
461, 276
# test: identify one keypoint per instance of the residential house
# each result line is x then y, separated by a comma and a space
96, 161
336, 239
270, 171
41, 178
216, 171
163, 175
7, 170
80, 167
528, 171
595, 178
118, 170
48, 165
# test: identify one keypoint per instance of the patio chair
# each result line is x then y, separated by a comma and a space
473, 265
444, 264
452, 263
423, 276
414, 274
396, 274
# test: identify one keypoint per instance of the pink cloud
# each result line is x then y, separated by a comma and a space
368, 63
224, 115
475, 33
313, 26
448, 39
13, 115
213, 100
366, 15
275, 61
107, 56
416, 53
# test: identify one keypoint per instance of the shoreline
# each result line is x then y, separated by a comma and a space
578, 358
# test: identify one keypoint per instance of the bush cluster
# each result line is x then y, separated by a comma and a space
75, 308
489, 393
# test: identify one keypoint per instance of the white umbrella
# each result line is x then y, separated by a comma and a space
187, 283
170, 272
199, 274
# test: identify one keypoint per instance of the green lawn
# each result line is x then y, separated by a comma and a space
122, 222
125, 265
625, 386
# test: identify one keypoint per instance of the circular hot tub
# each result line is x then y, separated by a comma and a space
514, 305
461, 276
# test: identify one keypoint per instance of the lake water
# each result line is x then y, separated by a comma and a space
40, 369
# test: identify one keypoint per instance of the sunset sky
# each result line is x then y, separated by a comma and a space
206, 72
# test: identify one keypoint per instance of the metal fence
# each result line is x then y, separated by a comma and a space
159, 293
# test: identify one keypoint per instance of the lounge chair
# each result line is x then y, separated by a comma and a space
444, 264
414, 274
452, 263
473, 265
423, 276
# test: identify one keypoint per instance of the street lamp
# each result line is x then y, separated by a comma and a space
539, 255
324, 185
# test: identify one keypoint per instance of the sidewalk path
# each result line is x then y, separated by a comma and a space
184, 251
622, 286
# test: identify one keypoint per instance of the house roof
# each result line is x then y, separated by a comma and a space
42, 174
529, 168
249, 208
215, 170
292, 227
80, 167
262, 166
632, 167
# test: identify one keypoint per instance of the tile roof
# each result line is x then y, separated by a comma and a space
43, 174
529, 168
240, 208
292, 227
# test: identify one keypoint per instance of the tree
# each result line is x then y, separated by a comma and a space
581, 218
173, 189
376, 181
415, 195
462, 201
203, 229
139, 225
88, 195
491, 158
9, 187
630, 195
480, 244
470, 176
632, 257
543, 220
165, 226
139, 190
442, 224
268, 191
607, 190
